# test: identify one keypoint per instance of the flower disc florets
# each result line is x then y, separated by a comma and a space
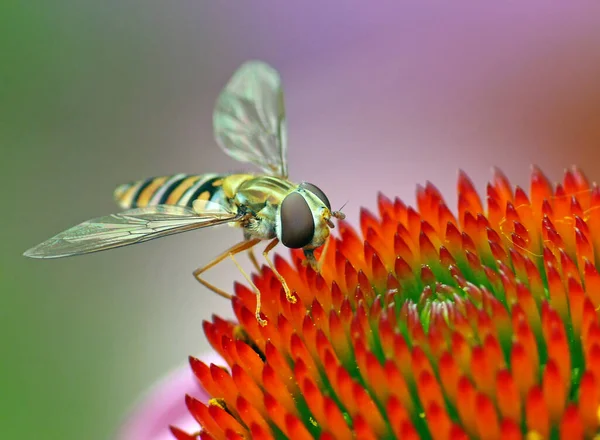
424, 325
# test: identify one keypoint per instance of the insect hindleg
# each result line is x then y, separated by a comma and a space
288, 292
240, 247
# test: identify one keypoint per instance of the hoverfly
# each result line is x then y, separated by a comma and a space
249, 125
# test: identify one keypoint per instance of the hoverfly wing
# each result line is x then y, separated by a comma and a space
129, 227
249, 118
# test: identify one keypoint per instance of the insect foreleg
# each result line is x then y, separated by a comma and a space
269, 248
240, 247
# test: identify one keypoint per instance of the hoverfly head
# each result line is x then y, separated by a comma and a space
304, 217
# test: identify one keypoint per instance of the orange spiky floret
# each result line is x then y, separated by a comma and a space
424, 325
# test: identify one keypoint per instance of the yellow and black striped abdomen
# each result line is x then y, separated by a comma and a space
179, 189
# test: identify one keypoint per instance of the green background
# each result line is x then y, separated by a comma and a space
94, 94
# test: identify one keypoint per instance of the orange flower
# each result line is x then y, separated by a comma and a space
423, 325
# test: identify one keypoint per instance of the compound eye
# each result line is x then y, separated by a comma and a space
297, 224
317, 192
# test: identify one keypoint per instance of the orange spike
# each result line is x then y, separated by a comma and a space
214, 338
362, 429
493, 354
202, 373
467, 243
260, 433
556, 290
540, 187
571, 425
495, 211
439, 423
481, 371
388, 228
402, 248
589, 398
376, 377
521, 197
529, 307
379, 272
449, 375
466, 406
466, 190
200, 413
536, 285
507, 397
367, 220
558, 346
250, 360
350, 277
524, 369
335, 420
555, 391
295, 429
400, 210
429, 390
223, 380
232, 435
502, 185
399, 418
487, 419
385, 205
248, 388
314, 399
536, 413
461, 351
592, 215
593, 360
398, 387
576, 297
181, 435
510, 431
344, 387
275, 384
560, 202
369, 410
276, 411
413, 221
426, 204
445, 216
585, 247
576, 209
456, 433
588, 320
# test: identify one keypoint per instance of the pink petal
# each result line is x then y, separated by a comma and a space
164, 405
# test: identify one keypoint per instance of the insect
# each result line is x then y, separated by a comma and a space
249, 125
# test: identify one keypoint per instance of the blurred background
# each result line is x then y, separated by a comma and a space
94, 94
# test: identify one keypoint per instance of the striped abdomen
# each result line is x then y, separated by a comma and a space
180, 189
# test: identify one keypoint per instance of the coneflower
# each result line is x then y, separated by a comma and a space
423, 324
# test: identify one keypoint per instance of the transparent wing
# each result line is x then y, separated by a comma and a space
249, 118
129, 227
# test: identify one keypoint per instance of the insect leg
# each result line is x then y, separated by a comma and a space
240, 247
256, 289
254, 260
288, 292
252, 256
